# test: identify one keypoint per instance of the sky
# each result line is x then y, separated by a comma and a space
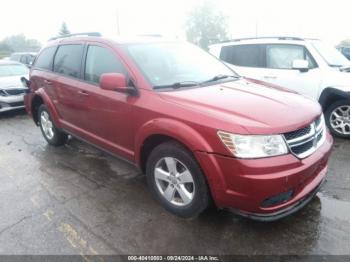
42, 19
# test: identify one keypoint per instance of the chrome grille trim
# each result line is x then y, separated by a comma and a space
316, 129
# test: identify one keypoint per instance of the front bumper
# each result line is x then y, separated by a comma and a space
11, 102
242, 185
281, 213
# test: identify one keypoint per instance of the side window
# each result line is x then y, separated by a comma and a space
100, 60
24, 59
244, 55
68, 60
44, 60
282, 56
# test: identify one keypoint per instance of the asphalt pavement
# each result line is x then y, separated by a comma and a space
78, 200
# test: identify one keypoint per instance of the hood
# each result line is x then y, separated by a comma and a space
12, 82
243, 105
337, 79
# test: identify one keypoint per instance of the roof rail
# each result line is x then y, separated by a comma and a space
266, 37
77, 34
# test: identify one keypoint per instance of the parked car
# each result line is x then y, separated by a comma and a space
26, 58
307, 66
11, 88
195, 128
345, 51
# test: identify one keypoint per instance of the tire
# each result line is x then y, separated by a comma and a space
55, 137
185, 198
341, 108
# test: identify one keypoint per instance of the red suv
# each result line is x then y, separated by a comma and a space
197, 130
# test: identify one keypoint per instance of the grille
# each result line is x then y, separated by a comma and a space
303, 148
15, 92
305, 141
298, 133
15, 104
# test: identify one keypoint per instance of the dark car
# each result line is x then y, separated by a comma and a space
195, 128
26, 58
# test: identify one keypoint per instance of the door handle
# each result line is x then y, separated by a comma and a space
83, 93
47, 82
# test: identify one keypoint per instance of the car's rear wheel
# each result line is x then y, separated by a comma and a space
337, 118
50, 132
176, 180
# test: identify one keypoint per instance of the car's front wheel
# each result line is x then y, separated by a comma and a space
176, 180
337, 118
51, 134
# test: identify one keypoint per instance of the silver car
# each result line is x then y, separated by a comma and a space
11, 88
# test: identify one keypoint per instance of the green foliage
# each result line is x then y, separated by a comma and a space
205, 25
18, 43
64, 30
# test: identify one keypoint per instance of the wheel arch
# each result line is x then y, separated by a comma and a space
330, 95
158, 131
40, 98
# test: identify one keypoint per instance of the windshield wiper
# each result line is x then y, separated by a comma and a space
178, 85
219, 77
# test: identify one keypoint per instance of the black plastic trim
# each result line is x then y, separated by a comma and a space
330, 95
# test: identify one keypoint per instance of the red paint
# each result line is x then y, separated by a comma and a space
113, 82
120, 123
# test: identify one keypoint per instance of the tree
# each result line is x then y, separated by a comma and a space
19, 43
205, 25
5, 50
64, 30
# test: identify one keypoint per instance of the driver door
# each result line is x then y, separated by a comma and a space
279, 71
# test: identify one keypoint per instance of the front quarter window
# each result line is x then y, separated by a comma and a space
167, 63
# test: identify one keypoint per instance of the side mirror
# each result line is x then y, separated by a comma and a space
116, 82
301, 65
25, 82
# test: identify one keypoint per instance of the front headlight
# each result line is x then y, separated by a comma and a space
254, 146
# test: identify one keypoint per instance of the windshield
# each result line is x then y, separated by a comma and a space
331, 55
13, 70
167, 63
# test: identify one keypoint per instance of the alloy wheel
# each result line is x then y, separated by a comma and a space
340, 119
46, 125
174, 181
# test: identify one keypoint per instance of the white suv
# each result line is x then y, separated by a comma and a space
307, 66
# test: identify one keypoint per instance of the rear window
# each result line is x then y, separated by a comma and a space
15, 57
244, 55
13, 70
44, 60
68, 60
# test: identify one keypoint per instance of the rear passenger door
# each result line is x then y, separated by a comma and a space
69, 97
